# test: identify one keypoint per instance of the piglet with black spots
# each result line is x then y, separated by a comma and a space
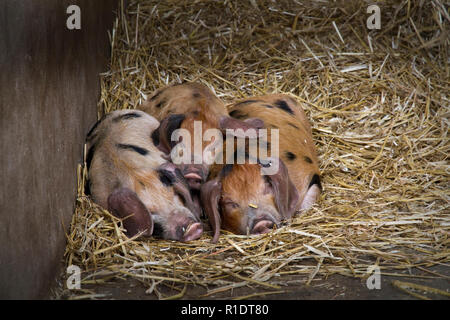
296, 145
133, 179
181, 106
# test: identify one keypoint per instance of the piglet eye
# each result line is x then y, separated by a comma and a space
231, 204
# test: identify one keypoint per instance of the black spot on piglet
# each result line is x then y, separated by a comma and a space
290, 156
307, 159
238, 114
245, 102
293, 125
226, 170
283, 106
131, 115
137, 149
166, 177
174, 122
155, 137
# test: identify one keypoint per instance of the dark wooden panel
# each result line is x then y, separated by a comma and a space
49, 88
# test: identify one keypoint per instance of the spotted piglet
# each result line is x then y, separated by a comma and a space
296, 146
132, 178
240, 198
181, 106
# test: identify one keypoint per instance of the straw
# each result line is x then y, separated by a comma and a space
378, 103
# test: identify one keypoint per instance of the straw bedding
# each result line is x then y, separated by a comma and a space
378, 102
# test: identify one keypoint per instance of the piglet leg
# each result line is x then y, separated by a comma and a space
126, 205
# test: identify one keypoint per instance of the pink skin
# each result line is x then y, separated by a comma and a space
263, 226
261, 222
193, 232
182, 227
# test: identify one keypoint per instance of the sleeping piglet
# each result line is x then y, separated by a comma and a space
195, 108
132, 178
240, 198
296, 145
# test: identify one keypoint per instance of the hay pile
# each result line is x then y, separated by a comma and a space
378, 101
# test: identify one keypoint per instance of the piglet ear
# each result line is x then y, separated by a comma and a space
209, 197
125, 204
285, 192
226, 122
161, 136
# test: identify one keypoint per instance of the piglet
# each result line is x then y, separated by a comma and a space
240, 199
133, 179
182, 106
247, 192
296, 145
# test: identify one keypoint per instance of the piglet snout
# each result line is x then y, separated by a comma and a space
183, 227
262, 226
193, 232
